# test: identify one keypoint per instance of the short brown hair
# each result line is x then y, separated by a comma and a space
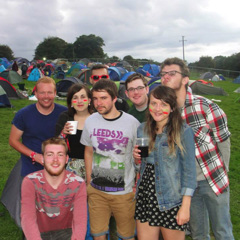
98, 66
55, 141
107, 85
46, 80
136, 76
177, 61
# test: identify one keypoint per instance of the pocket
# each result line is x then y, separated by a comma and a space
202, 135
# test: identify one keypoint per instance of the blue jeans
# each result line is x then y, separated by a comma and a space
205, 206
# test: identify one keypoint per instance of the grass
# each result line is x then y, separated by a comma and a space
230, 104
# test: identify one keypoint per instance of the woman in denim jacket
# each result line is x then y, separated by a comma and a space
168, 175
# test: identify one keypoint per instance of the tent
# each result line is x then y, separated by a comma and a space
144, 72
34, 75
65, 84
116, 73
11, 76
84, 75
125, 76
5, 62
124, 64
154, 82
10, 90
237, 90
2, 68
76, 68
207, 76
237, 80
4, 101
153, 69
206, 89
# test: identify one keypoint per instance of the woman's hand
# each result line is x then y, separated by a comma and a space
38, 158
136, 155
183, 215
67, 128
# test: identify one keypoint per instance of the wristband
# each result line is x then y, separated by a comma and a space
32, 156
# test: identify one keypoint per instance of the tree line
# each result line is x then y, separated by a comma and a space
91, 46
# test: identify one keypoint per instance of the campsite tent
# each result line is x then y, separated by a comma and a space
237, 90
4, 101
65, 84
124, 64
75, 69
34, 75
125, 76
10, 89
84, 75
154, 82
153, 69
237, 80
2, 68
5, 62
207, 76
116, 73
11, 76
206, 89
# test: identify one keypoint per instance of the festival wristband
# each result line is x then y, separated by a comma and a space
32, 156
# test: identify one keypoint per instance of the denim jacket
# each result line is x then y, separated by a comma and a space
175, 176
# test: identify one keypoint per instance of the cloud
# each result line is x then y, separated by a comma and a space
143, 29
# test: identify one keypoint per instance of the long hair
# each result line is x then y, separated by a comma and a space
71, 91
174, 124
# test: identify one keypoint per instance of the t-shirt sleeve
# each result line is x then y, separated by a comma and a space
79, 225
18, 120
28, 211
85, 138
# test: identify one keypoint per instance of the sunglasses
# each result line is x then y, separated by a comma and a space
98, 77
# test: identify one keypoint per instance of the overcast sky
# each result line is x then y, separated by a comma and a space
151, 29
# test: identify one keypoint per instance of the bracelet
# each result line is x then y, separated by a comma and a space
32, 156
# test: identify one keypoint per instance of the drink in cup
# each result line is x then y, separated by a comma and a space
74, 125
143, 146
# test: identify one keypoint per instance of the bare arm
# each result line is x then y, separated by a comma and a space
183, 214
88, 157
15, 142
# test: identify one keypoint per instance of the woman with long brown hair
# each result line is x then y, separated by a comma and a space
168, 175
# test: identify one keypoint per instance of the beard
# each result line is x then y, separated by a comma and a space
52, 172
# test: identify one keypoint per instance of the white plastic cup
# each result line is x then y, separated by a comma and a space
74, 125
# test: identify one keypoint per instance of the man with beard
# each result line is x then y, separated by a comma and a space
54, 200
212, 153
109, 137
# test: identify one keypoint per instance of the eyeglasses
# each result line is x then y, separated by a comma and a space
98, 77
171, 73
139, 89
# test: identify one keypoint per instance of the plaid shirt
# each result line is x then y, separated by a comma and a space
209, 124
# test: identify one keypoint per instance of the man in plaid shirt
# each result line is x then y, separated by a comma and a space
212, 148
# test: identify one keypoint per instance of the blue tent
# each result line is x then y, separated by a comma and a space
237, 80
144, 72
34, 75
2, 68
116, 73
125, 76
5, 62
78, 66
153, 69
154, 82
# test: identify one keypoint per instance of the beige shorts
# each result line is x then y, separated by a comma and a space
103, 205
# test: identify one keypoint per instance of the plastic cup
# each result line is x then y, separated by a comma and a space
74, 125
143, 146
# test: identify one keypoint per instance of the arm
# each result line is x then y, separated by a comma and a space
224, 148
28, 211
88, 157
79, 225
183, 214
14, 141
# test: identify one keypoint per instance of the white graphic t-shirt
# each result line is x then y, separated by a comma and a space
112, 142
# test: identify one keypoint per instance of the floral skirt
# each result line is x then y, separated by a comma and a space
147, 209
77, 166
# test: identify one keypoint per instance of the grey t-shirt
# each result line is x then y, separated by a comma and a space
112, 141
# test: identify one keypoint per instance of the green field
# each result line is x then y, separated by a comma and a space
230, 104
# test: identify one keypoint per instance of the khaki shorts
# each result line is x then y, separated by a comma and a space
103, 205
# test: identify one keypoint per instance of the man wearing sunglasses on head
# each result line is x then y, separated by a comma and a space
100, 71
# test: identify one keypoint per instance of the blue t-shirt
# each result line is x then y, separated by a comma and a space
36, 128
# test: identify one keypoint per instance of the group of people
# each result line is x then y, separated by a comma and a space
183, 182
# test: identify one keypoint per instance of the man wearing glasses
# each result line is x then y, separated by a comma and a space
137, 91
100, 71
212, 154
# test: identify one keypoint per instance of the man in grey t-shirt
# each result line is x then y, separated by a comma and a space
109, 137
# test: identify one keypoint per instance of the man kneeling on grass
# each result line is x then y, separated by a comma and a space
54, 200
